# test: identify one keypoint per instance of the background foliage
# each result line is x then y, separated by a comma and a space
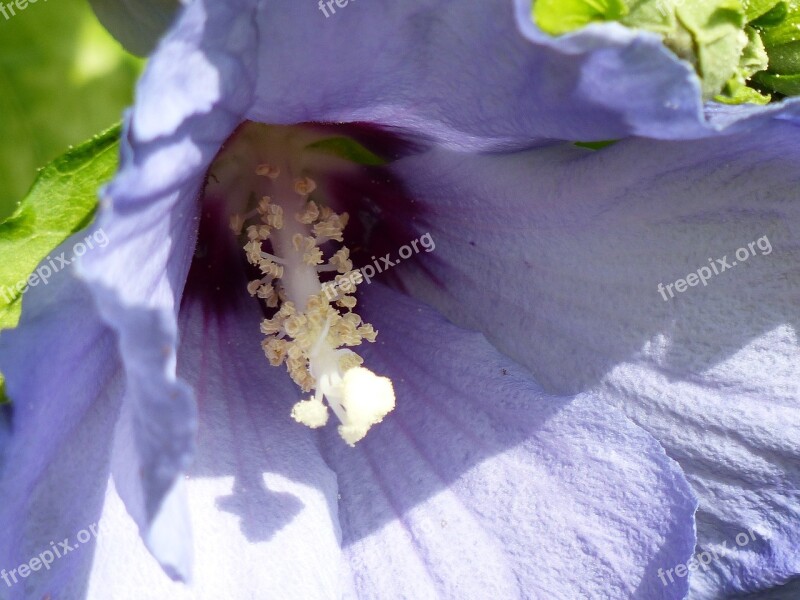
62, 80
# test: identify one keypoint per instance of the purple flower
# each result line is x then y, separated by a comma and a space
144, 402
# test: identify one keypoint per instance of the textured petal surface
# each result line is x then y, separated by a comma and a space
62, 372
262, 501
475, 74
480, 485
557, 255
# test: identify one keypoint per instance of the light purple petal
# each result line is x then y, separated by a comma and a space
262, 501
480, 484
150, 214
62, 372
5, 432
136, 296
557, 254
475, 74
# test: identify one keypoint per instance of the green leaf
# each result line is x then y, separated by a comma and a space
61, 202
557, 17
346, 149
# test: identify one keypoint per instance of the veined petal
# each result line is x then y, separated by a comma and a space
62, 372
481, 485
558, 258
262, 501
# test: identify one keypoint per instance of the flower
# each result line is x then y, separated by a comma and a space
481, 481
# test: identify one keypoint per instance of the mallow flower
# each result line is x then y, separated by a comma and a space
514, 410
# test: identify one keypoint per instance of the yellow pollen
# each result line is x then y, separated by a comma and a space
311, 412
274, 216
270, 268
269, 171
252, 250
263, 205
309, 214
304, 186
258, 232
348, 302
332, 227
341, 260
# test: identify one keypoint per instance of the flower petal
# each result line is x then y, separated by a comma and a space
61, 369
150, 214
6, 413
557, 255
475, 75
262, 501
136, 297
481, 485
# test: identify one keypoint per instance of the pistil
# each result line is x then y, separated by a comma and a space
307, 332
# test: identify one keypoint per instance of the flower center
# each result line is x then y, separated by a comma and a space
310, 330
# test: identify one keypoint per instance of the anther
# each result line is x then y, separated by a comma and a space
304, 186
269, 171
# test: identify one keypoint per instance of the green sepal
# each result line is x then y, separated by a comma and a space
557, 17
737, 92
754, 59
717, 31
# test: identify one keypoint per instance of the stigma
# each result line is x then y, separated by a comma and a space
286, 235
